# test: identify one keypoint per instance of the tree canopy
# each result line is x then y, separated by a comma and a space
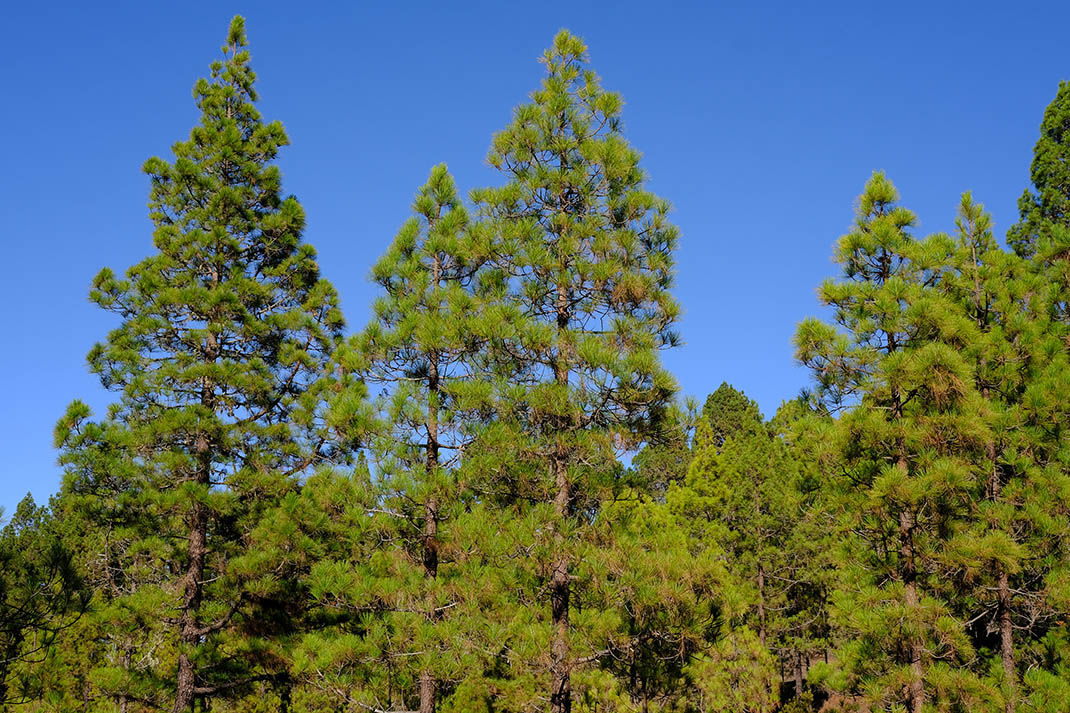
492, 496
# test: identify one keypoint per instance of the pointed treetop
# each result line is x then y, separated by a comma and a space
975, 227
566, 46
729, 413
1047, 206
878, 193
236, 34
440, 190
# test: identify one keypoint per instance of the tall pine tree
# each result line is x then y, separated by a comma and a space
1018, 536
421, 351
1043, 228
218, 362
911, 441
587, 253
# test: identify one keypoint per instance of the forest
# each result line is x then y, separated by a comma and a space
493, 498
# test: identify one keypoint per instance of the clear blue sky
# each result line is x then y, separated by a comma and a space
760, 124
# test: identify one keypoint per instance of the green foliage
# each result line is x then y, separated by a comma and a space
218, 364
749, 499
729, 413
585, 254
1045, 211
909, 449
436, 514
422, 349
41, 596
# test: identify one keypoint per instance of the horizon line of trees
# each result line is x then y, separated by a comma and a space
433, 513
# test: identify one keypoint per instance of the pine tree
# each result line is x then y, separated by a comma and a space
1045, 211
218, 363
803, 632
749, 493
1019, 369
421, 349
728, 413
587, 254
736, 468
911, 441
1042, 235
41, 596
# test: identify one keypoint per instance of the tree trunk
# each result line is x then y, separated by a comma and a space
189, 634
560, 673
123, 701
761, 604
1003, 594
798, 674
189, 620
908, 570
1006, 642
560, 586
428, 685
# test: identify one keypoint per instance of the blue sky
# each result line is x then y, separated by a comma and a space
759, 121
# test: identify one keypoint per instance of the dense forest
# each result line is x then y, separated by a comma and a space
492, 497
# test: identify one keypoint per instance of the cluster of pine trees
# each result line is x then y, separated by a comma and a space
490, 497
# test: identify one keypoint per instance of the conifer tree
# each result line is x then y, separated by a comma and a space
41, 596
421, 350
736, 468
587, 255
1045, 211
749, 493
803, 632
911, 442
217, 362
1018, 534
728, 413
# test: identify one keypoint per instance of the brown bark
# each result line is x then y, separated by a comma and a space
798, 674
1006, 642
123, 701
1003, 609
560, 587
191, 600
428, 684
908, 570
560, 669
197, 550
